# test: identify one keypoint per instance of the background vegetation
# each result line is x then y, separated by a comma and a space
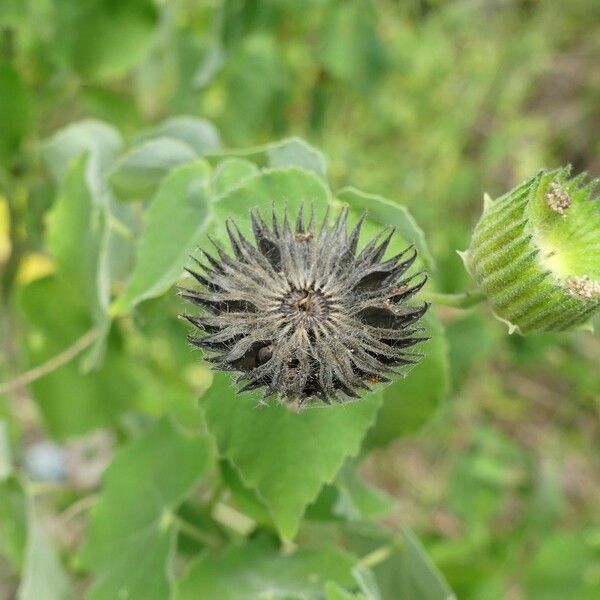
427, 103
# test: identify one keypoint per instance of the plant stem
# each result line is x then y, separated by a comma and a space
462, 300
215, 495
380, 555
119, 227
41, 488
233, 519
196, 533
54, 363
81, 505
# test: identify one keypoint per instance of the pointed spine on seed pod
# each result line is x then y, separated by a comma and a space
535, 253
303, 312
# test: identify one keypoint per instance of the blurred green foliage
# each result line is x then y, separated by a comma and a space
424, 102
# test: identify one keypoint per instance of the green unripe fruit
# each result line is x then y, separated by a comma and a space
535, 253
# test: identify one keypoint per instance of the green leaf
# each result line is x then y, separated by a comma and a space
389, 214
177, 216
406, 571
295, 152
290, 152
199, 134
71, 403
286, 457
367, 582
16, 111
327, 509
335, 592
419, 578
138, 172
260, 570
230, 173
75, 230
43, 574
349, 498
13, 522
358, 500
86, 216
410, 403
101, 140
243, 497
78, 237
290, 187
131, 534
464, 354
24, 544
104, 40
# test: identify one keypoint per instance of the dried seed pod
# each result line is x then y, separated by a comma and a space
536, 253
303, 313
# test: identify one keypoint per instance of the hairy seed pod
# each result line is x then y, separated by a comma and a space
303, 313
535, 253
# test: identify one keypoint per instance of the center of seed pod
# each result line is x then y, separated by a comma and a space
305, 307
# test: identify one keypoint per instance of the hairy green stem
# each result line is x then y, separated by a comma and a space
462, 300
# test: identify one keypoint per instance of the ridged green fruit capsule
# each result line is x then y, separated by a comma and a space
535, 253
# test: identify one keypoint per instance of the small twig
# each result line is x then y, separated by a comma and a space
464, 300
50, 365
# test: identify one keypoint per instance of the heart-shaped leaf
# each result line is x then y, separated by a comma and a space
200, 134
286, 457
138, 172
